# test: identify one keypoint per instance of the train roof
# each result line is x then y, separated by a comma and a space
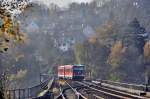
71, 65
78, 65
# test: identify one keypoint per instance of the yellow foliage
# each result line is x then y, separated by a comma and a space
105, 30
22, 38
62, 82
117, 49
10, 31
19, 57
7, 23
1, 33
93, 39
106, 33
19, 75
147, 51
4, 46
115, 58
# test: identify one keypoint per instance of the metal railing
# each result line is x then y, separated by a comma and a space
26, 92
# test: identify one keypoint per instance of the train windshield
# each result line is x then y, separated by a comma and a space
79, 70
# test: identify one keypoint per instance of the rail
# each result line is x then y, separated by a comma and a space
101, 91
61, 95
79, 95
74, 89
127, 85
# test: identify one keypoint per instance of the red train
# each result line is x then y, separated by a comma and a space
74, 72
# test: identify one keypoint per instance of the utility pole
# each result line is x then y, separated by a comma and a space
40, 78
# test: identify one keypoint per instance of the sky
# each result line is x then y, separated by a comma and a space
61, 3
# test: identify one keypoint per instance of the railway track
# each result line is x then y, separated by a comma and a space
130, 90
99, 92
62, 94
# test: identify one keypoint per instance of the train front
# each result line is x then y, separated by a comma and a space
78, 72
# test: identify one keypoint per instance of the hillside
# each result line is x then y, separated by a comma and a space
108, 36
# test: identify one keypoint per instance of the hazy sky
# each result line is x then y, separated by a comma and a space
61, 2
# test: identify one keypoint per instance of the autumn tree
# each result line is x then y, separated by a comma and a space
115, 60
9, 27
147, 60
116, 55
107, 33
79, 53
147, 52
135, 35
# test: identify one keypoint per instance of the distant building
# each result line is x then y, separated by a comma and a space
88, 31
64, 44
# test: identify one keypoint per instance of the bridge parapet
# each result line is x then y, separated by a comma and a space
28, 93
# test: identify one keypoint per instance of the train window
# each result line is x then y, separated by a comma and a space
60, 70
78, 68
76, 72
67, 70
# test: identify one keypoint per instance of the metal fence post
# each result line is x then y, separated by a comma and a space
28, 92
14, 94
9, 92
23, 93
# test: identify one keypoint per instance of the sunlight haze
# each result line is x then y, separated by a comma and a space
61, 3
